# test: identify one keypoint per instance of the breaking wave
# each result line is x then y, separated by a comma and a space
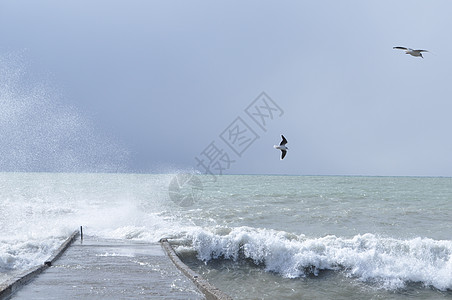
388, 262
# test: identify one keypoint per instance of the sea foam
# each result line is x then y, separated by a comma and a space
390, 263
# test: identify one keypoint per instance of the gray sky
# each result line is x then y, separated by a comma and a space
109, 83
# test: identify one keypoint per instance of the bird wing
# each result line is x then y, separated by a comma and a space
284, 141
421, 50
283, 154
401, 48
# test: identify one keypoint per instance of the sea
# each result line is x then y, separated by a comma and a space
252, 236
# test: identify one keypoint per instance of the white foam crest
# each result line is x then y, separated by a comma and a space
24, 254
390, 263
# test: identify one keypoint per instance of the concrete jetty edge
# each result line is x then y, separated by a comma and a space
8, 288
209, 291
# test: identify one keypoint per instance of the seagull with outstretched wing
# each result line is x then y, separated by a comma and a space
412, 52
282, 147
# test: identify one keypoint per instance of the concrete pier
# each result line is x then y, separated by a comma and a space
8, 288
110, 269
209, 291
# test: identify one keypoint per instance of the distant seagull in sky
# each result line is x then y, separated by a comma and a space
282, 147
412, 52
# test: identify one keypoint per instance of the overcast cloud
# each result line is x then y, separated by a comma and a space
144, 75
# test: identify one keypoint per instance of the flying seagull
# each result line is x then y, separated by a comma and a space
417, 53
282, 147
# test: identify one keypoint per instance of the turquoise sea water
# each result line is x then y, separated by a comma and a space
255, 237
